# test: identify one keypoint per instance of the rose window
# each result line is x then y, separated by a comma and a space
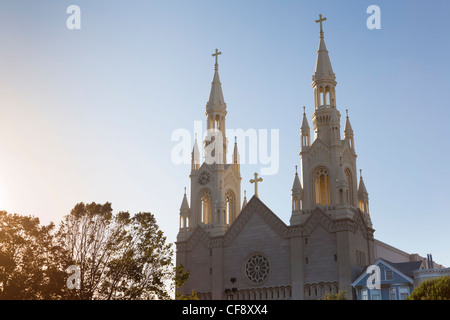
257, 268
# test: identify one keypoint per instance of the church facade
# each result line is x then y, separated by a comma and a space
240, 250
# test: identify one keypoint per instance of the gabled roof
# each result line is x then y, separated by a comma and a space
404, 269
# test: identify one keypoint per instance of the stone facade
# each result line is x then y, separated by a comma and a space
249, 253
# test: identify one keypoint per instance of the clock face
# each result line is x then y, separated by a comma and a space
204, 178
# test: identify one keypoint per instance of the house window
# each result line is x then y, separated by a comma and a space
364, 294
392, 293
389, 274
403, 293
375, 294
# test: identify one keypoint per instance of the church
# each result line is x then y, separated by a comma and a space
236, 249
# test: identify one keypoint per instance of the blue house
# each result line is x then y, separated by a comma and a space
385, 280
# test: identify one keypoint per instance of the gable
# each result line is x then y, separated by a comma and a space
385, 270
318, 217
266, 217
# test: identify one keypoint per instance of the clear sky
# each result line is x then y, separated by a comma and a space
87, 115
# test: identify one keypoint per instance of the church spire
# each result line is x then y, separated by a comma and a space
216, 100
363, 196
215, 113
324, 79
348, 133
195, 159
305, 131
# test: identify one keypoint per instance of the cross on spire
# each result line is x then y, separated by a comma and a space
255, 181
320, 21
216, 55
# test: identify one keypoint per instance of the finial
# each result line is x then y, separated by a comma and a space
304, 110
184, 190
296, 170
216, 55
321, 19
346, 110
245, 193
235, 139
195, 136
360, 173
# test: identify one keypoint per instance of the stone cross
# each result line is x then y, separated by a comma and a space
216, 55
255, 181
320, 21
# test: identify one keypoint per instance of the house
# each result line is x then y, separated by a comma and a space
385, 280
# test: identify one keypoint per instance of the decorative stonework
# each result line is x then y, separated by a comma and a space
257, 268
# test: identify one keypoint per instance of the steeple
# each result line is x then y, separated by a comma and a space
235, 156
245, 199
216, 100
195, 156
215, 114
363, 196
348, 133
324, 70
305, 131
324, 83
184, 212
297, 200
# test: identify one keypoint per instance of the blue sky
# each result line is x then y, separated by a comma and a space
87, 115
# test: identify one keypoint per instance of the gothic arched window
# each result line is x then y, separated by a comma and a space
348, 175
230, 207
322, 186
205, 207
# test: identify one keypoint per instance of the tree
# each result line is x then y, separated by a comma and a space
119, 256
432, 289
30, 267
334, 296
180, 278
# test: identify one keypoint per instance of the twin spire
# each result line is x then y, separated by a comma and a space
323, 70
216, 100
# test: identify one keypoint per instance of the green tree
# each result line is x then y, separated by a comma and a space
180, 277
334, 296
119, 256
30, 264
432, 289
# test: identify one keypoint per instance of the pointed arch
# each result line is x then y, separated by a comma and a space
230, 201
321, 180
205, 206
350, 194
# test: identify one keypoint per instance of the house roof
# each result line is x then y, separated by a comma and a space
406, 269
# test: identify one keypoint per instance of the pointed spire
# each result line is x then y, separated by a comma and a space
348, 131
362, 188
323, 70
195, 159
235, 156
297, 186
245, 199
184, 204
216, 96
305, 125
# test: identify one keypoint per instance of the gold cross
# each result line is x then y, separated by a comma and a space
255, 181
320, 21
216, 54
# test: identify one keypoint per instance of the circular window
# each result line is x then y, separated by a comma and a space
257, 268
